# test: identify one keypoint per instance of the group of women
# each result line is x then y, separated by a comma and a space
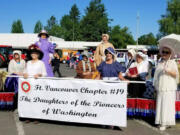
107, 68
165, 78
38, 59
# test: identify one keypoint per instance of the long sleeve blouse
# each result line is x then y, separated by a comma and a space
163, 81
15, 67
35, 68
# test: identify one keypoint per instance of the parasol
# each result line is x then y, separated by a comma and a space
171, 41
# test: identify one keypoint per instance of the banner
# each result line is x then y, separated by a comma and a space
73, 100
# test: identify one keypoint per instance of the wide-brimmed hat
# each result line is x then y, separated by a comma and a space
43, 32
105, 35
35, 49
172, 42
111, 50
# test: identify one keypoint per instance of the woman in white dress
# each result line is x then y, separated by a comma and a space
165, 82
35, 67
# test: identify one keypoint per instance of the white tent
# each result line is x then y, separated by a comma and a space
77, 45
140, 47
23, 40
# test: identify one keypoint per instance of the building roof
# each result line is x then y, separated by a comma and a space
80, 45
23, 40
140, 47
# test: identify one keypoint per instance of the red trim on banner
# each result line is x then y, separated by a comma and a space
177, 105
7, 97
148, 104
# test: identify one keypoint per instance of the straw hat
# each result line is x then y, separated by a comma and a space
105, 35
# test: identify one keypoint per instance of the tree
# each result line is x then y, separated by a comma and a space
74, 14
95, 22
70, 24
147, 39
56, 31
120, 37
38, 27
53, 28
50, 23
17, 27
170, 22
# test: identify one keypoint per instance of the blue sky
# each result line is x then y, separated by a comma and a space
123, 13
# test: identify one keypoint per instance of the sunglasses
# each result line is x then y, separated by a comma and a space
107, 52
166, 52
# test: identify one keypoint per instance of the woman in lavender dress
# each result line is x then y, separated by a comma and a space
46, 47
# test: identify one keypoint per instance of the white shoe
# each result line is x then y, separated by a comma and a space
162, 128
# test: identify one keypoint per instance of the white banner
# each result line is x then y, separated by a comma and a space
73, 100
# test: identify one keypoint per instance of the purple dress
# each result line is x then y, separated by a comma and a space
46, 47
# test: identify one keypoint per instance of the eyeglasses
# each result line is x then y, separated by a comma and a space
166, 52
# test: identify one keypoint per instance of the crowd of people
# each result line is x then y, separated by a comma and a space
102, 64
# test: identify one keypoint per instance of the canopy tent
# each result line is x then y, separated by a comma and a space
76, 45
140, 47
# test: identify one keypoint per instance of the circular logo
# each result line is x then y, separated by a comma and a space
25, 86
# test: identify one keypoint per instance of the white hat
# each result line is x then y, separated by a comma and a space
142, 55
132, 52
17, 51
145, 50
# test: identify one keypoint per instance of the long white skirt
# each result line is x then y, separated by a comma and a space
165, 108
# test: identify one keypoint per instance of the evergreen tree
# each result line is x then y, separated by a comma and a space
74, 14
70, 24
17, 27
53, 28
50, 23
56, 31
38, 27
95, 22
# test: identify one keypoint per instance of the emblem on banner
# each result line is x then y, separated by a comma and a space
25, 86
